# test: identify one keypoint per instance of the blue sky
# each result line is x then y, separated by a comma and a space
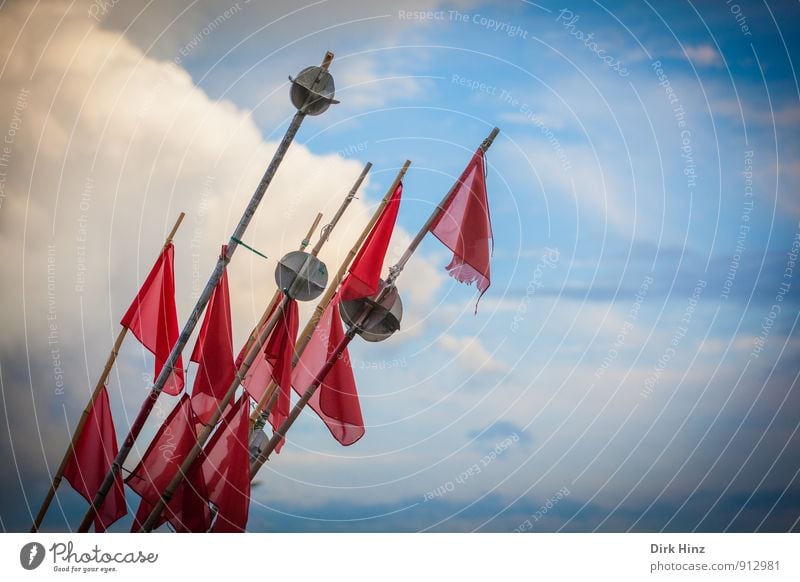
637, 351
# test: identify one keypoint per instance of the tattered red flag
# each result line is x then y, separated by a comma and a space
162, 460
91, 458
153, 317
365, 271
226, 468
336, 399
214, 353
465, 228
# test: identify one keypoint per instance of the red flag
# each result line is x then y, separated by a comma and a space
279, 353
258, 377
220, 475
336, 400
163, 458
365, 270
226, 469
141, 515
465, 228
280, 341
251, 340
91, 458
153, 318
214, 352
188, 510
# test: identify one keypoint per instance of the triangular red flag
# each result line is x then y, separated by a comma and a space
465, 228
153, 318
214, 354
226, 469
365, 270
91, 458
336, 399
162, 460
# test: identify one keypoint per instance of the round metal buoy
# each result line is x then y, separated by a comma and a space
312, 90
258, 440
384, 319
301, 275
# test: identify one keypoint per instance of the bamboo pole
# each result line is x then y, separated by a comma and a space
324, 235
101, 382
269, 398
202, 301
244, 367
394, 273
277, 295
205, 431
272, 303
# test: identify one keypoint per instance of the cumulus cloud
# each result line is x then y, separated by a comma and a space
111, 137
109, 145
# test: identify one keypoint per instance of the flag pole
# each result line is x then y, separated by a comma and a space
269, 398
324, 234
101, 382
277, 295
308, 102
394, 273
253, 352
205, 431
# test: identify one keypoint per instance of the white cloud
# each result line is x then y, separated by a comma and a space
471, 354
109, 146
127, 140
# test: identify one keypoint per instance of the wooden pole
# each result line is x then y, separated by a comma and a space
269, 398
394, 272
328, 228
205, 431
277, 295
280, 433
244, 367
324, 235
101, 382
194, 316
